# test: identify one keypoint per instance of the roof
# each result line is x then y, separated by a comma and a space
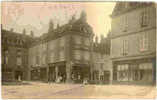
122, 7
13, 37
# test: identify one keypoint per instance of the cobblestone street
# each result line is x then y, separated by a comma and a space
45, 90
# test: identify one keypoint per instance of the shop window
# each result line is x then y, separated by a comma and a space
122, 74
146, 71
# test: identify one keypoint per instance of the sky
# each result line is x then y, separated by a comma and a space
35, 16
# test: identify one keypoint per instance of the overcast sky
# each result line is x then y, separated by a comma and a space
36, 15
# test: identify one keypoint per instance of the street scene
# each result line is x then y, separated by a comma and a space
78, 50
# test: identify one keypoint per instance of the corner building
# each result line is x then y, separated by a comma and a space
64, 51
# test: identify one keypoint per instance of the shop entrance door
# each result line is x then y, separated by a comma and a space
18, 75
80, 73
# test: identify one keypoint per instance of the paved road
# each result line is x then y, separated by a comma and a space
44, 90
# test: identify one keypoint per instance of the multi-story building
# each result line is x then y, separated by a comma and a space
64, 51
102, 69
14, 55
133, 43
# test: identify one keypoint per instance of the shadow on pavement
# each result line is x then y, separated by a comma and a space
15, 83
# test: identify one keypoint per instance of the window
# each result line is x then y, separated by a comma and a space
86, 55
78, 39
144, 42
61, 55
19, 60
44, 59
125, 22
87, 43
37, 60
125, 47
144, 18
62, 42
6, 57
77, 54
52, 57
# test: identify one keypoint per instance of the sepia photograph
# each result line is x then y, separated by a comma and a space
78, 50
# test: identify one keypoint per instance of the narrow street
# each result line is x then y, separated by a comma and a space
44, 90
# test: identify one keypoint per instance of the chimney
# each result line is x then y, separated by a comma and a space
24, 31
11, 30
32, 34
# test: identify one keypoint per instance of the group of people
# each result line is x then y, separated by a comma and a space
62, 79
59, 79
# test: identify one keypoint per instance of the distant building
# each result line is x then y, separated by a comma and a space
133, 43
102, 65
14, 55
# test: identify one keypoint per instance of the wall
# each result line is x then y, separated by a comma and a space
134, 30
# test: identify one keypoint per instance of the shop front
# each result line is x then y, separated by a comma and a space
35, 73
139, 71
57, 72
43, 73
80, 72
7, 74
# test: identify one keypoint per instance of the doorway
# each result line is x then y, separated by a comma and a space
18, 75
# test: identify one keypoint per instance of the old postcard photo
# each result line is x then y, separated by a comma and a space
75, 50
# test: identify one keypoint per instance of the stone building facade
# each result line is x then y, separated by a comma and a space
14, 55
133, 43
